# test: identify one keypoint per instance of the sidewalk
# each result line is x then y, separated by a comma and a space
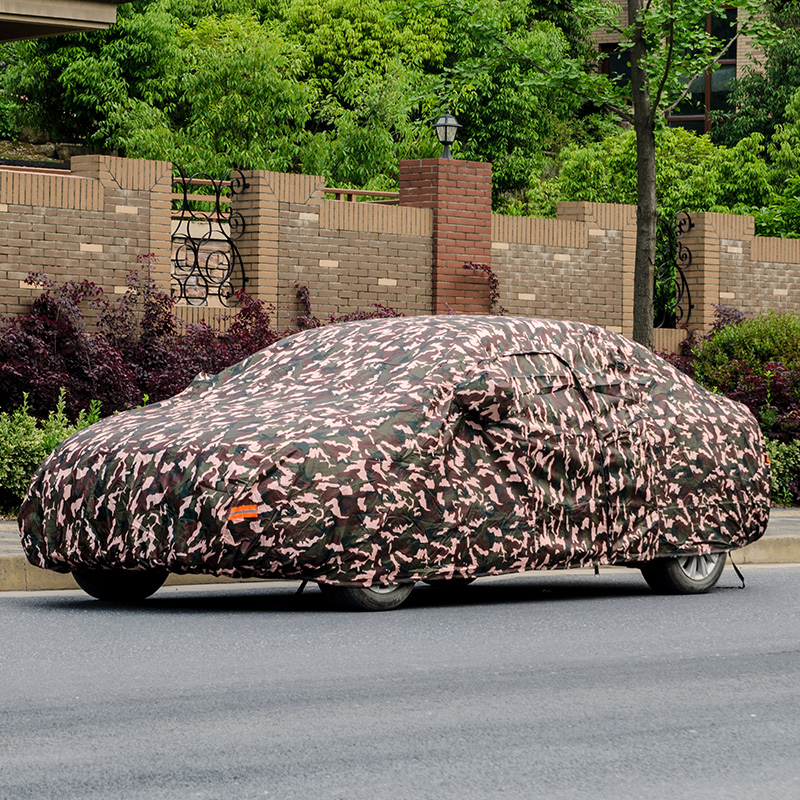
780, 545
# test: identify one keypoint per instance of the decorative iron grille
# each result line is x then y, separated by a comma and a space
672, 301
206, 264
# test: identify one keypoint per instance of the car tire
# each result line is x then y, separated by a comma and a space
684, 574
120, 585
454, 584
367, 598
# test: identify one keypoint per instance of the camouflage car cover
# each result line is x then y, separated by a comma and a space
393, 450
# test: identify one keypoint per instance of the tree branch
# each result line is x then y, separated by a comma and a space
702, 71
668, 63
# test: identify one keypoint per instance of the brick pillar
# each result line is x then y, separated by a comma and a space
460, 194
702, 275
258, 244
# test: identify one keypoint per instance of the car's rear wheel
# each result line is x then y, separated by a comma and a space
684, 574
367, 598
120, 585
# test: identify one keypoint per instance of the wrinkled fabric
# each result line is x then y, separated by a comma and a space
394, 450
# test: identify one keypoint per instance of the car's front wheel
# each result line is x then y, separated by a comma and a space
367, 598
684, 574
120, 585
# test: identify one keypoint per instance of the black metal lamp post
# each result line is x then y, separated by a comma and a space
446, 128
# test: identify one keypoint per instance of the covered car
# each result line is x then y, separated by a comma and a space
370, 455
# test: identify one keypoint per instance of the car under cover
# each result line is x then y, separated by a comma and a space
386, 451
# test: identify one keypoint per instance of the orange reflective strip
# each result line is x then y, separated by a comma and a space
243, 512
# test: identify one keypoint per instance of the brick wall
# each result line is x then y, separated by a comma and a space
350, 255
734, 267
89, 223
578, 266
93, 222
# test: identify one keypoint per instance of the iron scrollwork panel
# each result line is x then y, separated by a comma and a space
672, 301
206, 263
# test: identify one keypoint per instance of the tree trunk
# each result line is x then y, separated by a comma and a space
646, 210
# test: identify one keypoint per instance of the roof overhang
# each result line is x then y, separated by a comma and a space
22, 19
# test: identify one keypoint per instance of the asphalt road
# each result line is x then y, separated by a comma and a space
546, 686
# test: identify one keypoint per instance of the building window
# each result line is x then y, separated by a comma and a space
709, 92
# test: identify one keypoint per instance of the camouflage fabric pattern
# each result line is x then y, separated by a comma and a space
395, 450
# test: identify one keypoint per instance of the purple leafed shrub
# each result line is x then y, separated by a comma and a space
139, 347
494, 285
308, 320
50, 348
165, 353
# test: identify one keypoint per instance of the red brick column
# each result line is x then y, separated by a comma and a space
460, 194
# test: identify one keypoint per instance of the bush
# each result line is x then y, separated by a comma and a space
50, 349
756, 362
139, 348
785, 459
26, 441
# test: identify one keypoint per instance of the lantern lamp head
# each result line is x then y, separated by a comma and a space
446, 128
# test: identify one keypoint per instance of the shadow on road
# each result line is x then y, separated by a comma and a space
539, 589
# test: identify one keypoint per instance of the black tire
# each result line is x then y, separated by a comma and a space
684, 574
449, 583
367, 598
120, 585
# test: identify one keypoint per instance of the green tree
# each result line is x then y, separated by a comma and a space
338, 87
784, 149
761, 93
238, 100
691, 172
66, 86
668, 48
509, 119
372, 69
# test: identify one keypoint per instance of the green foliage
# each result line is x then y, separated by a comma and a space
511, 118
376, 129
762, 92
784, 149
9, 127
26, 441
342, 88
758, 342
67, 86
237, 99
785, 466
692, 173
782, 216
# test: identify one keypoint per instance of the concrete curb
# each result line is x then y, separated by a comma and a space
770, 550
17, 575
